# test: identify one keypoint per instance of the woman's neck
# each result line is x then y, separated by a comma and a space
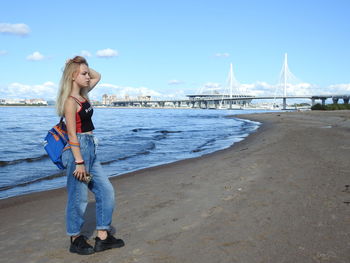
75, 91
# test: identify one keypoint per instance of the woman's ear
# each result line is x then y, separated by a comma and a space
74, 75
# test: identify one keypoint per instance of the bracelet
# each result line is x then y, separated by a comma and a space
79, 163
74, 144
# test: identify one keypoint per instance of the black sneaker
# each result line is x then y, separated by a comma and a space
108, 243
80, 246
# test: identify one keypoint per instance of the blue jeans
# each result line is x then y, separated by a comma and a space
78, 190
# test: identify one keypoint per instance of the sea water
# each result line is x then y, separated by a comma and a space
129, 140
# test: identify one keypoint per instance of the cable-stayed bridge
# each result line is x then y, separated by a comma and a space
236, 102
232, 96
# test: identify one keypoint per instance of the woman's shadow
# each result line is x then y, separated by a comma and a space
89, 226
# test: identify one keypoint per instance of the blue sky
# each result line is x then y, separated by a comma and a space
172, 48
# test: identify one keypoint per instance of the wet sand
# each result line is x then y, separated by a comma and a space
278, 196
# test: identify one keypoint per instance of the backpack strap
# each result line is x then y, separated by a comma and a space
78, 101
61, 124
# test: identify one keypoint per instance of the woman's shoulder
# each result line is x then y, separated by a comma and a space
71, 102
80, 100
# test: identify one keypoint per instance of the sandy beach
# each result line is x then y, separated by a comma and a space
280, 195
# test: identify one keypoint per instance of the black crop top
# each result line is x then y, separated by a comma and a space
83, 116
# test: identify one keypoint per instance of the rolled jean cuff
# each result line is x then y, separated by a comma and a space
103, 228
73, 234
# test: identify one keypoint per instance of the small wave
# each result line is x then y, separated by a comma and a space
201, 147
141, 129
28, 160
207, 117
146, 150
125, 157
166, 132
150, 146
119, 159
144, 153
137, 130
163, 134
50, 177
159, 137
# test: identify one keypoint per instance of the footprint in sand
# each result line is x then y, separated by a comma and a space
137, 252
188, 227
212, 211
228, 198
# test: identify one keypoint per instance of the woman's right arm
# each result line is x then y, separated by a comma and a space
70, 109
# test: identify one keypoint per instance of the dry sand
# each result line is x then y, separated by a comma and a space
278, 196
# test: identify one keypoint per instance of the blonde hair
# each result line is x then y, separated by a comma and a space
71, 69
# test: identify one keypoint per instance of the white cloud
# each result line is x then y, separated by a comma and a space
222, 55
263, 89
301, 89
338, 89
107, 53
47, 90
178, 94
258, 89
36, 56
175, 82
211, 87
3, 52
121, 91
266, 89
14, 29
85, 53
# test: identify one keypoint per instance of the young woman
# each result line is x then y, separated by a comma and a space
84, 170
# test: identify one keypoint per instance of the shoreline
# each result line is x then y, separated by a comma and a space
277, 196
165, 161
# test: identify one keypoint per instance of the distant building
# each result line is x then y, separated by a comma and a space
12, 101
144, 98
108, 99
36, 102
23, 102
112, 99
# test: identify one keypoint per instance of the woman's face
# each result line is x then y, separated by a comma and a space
83, 76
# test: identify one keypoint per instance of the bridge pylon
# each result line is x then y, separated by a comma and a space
286, 76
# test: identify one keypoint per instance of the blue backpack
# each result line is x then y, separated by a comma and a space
55, 140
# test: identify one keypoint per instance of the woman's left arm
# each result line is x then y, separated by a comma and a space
94, 78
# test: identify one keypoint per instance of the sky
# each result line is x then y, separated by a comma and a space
169, 48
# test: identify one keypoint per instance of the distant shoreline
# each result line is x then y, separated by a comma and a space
97, 106
177, 108
25, 105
